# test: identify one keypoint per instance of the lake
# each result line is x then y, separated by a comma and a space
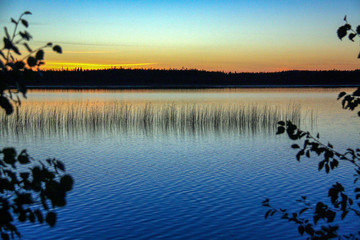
180, 164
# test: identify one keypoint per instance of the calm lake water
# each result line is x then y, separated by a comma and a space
180, 164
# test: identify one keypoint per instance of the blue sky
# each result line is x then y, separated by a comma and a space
212, 35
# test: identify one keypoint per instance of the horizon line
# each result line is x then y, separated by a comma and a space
128, 67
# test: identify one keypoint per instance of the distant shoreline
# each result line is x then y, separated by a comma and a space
191, 79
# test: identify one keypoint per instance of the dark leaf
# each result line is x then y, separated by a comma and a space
40, 55
282, 123
24, 22
66, 182
32, 217
7, 33
16, 50
23, 158
356, 92
57, 49
280, 130
13, 21
351, 36
28, 47
6, 105
9, 45
49, 44
265, 203
39, 216
335, 162
327, 168
25, 35
24, 175
19, 65
318, 135
342, 32
341, 95
301, 230
358, 29
31, 61
27, 13
348, 26
267, 214
295, 146
9, 152
51, 219
299, 154
303, 210
22, 216
309, 229
330, 215
60, 165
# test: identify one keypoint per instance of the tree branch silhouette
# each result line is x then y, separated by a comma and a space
30, 190
320, 224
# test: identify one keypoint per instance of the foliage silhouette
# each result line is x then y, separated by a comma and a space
29, 190
14, 72
321, 224
347, 30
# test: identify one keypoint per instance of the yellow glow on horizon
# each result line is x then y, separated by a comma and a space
90, 66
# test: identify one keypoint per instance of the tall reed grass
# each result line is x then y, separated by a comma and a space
80, 116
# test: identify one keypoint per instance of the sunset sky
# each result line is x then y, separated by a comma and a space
241, 36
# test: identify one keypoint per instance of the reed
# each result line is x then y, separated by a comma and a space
172, 117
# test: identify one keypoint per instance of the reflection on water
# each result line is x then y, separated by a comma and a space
179, 118
165, 186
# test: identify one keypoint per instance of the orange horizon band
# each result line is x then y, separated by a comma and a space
71, 65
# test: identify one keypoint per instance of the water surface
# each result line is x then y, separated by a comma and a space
180, 164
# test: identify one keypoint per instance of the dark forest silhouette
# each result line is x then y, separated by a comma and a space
153, 78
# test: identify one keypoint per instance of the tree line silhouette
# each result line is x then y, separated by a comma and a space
160, 78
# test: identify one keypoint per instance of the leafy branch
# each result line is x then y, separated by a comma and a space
320, 225
14, 71
26, 193
344, 30
32, 193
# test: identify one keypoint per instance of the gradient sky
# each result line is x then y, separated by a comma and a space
241, 36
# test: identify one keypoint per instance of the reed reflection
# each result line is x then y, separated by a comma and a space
78, 117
